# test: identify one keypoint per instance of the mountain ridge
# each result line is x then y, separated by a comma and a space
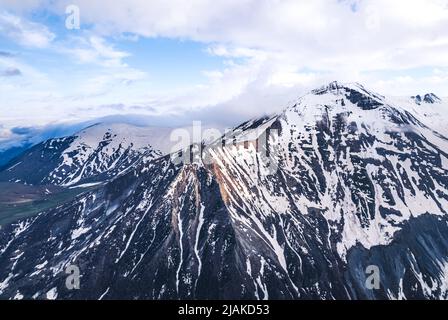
92, 153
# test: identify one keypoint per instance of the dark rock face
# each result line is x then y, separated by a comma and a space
428, 98
35, 165
70, 160
350, 182
409, 266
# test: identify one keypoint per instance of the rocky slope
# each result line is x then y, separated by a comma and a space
93, 154
293, 206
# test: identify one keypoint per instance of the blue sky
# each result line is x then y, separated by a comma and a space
219, 61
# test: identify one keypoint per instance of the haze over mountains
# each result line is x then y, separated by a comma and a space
359, 180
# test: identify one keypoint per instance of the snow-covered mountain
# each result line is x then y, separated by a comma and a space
93, 154
428, 108
346, 179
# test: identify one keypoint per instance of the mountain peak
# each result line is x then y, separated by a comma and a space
355, 92
427, 98
431, 98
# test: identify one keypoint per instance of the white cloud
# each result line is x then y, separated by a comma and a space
274, 49
107, 81
24, 32
325, 34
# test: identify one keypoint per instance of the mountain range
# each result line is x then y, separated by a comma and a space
295, 205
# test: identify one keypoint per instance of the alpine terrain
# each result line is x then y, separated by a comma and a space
303, 204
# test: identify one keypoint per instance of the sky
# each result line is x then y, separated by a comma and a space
220, 61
